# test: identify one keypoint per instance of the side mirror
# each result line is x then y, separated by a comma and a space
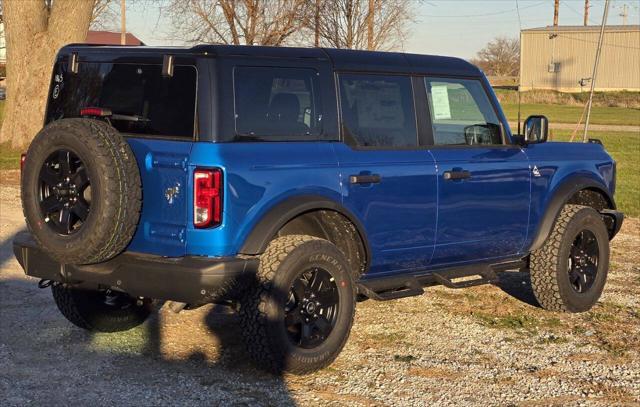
536, 129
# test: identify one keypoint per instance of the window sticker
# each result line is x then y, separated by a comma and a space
440, 100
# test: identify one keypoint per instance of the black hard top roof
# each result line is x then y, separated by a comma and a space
341, 59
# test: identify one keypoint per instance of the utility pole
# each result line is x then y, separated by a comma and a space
556, 7
624, 14
316, 22
595, 69
123, 23
586, 13
370, 25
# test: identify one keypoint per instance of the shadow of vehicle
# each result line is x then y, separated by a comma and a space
518, 285
194, 358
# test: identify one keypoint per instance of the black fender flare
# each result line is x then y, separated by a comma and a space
283, 212
561, 196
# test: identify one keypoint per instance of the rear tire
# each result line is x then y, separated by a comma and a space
283, 331
100, 311
569, 272
81, 191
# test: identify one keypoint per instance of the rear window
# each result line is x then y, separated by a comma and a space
141, 99
277, 104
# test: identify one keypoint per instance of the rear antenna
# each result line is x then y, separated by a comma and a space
519, 107
519, 73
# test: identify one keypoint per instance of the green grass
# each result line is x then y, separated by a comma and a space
624, 147
550, 97
571, 114
9, 157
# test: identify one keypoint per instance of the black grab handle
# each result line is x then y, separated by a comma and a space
454, 175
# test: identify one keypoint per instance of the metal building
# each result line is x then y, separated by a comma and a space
561, 58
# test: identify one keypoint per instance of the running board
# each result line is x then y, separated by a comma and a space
411, 288
487, 276
391, 288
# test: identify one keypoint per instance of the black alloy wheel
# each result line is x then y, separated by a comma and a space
81, 191
569, 272
64, 192
297, 314
583, 261
312, 308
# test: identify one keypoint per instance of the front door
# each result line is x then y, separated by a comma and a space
483, 182
388, 180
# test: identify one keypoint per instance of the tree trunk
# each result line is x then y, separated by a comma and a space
34, 33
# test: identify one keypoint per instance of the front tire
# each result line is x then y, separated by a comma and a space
100, 310
297, 314
569, 272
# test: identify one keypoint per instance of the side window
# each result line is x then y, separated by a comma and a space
461, 113
277, 103
377, 111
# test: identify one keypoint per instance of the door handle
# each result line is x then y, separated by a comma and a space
455, 175
365, 179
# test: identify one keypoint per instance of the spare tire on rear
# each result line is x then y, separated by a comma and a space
81, 191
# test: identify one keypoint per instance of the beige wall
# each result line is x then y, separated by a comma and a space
619, 67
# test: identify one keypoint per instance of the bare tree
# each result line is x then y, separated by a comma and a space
364, 24
500, 57
250, 22
35, 30
105, 15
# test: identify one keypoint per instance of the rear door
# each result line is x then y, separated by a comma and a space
156, 114
483, 182
163, 153
388, 179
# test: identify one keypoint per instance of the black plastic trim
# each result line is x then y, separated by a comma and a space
193, 280
560, 197
285, 211
617, 218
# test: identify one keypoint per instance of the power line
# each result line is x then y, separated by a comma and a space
578, 13
608, 44
485, 14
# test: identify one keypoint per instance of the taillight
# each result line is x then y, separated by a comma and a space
23, 158
95, 111
207, 197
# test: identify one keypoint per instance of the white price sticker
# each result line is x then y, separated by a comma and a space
440, 100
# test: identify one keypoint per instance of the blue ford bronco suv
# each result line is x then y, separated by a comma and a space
292, 183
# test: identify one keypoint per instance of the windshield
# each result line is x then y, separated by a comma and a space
141, 99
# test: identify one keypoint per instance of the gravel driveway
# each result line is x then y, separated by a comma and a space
489, 345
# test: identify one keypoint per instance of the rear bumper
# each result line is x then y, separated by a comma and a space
193, 280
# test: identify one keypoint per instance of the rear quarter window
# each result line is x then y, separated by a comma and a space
277, 104
143, 102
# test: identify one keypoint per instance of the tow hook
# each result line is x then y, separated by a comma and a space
45, 283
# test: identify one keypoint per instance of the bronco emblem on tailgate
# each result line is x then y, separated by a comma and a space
172, 192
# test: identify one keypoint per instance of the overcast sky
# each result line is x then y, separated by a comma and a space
442, 27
